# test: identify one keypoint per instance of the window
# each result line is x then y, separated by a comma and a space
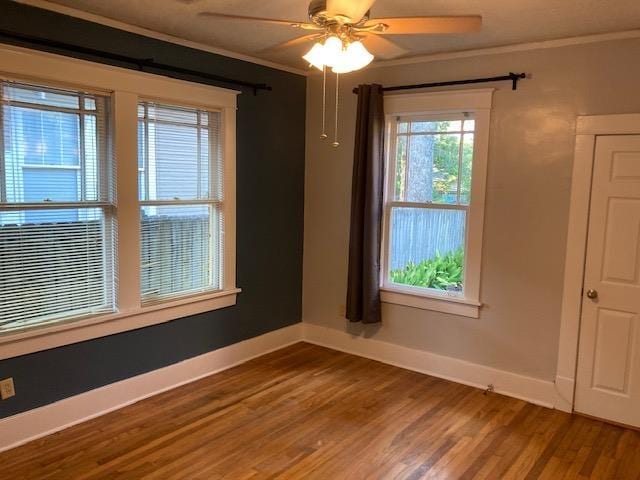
56, 216
433, 202
180, 189
117, 200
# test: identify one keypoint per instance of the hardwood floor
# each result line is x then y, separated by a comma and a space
314, 413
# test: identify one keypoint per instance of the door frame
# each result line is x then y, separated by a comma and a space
588, 128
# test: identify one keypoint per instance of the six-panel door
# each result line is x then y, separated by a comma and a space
608, 380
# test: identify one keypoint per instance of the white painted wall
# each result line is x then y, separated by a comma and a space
530, 160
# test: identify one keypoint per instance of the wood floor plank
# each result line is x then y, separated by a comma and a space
307, 412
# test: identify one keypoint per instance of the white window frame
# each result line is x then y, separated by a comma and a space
478, 104
125, 88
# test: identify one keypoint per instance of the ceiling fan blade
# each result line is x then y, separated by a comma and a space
426, 25
290, 43
383, 48
354, 9
273, 21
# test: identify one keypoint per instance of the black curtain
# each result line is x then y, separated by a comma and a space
363, 287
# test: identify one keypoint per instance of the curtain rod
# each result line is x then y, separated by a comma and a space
512, 77
141, 63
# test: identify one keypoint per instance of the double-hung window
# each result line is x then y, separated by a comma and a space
117, 200
434, 199
180, 191
56, 206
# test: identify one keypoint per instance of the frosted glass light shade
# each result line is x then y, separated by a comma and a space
315, 56
353, 58
360, 56
332, 51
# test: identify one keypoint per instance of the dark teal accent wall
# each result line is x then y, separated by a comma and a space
270, 194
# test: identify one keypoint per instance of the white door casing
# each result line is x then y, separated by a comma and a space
608, 374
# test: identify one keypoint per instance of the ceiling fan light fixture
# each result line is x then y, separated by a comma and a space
341, 60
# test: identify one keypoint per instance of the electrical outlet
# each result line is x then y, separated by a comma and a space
7, 390
342, 310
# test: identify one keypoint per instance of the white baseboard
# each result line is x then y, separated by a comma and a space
24, 427
539, 392
39, 422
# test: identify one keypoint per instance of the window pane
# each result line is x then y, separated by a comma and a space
43, 137
401, 168
71, 145
467, 164
142, 155
51, 184
430, 171
446, 155
434, 126
41, 96
180, 248
419, 174
174, 152
469, 125
427, 248
168, 113
54, 264
176, 161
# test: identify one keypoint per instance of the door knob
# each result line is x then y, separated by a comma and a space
592, 294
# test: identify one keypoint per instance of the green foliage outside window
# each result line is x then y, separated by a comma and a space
443, 272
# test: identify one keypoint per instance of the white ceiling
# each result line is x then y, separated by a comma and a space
505, 22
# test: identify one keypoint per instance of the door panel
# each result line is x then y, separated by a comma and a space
608, 377
613, 351
621, 241
625, 166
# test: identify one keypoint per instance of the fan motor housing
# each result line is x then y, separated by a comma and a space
319, 14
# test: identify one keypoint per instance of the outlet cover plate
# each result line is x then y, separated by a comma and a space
7, 390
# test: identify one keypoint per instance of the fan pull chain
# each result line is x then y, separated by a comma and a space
324, 135
335, 138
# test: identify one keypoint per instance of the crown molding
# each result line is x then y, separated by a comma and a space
91, 17
518, 47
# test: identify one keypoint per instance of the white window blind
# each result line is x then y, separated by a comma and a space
57, 228
180, 191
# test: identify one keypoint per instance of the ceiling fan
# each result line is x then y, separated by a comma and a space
340, 26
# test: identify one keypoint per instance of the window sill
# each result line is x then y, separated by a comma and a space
437, 303
65, 333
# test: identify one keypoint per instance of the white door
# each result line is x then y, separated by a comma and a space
608, 380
